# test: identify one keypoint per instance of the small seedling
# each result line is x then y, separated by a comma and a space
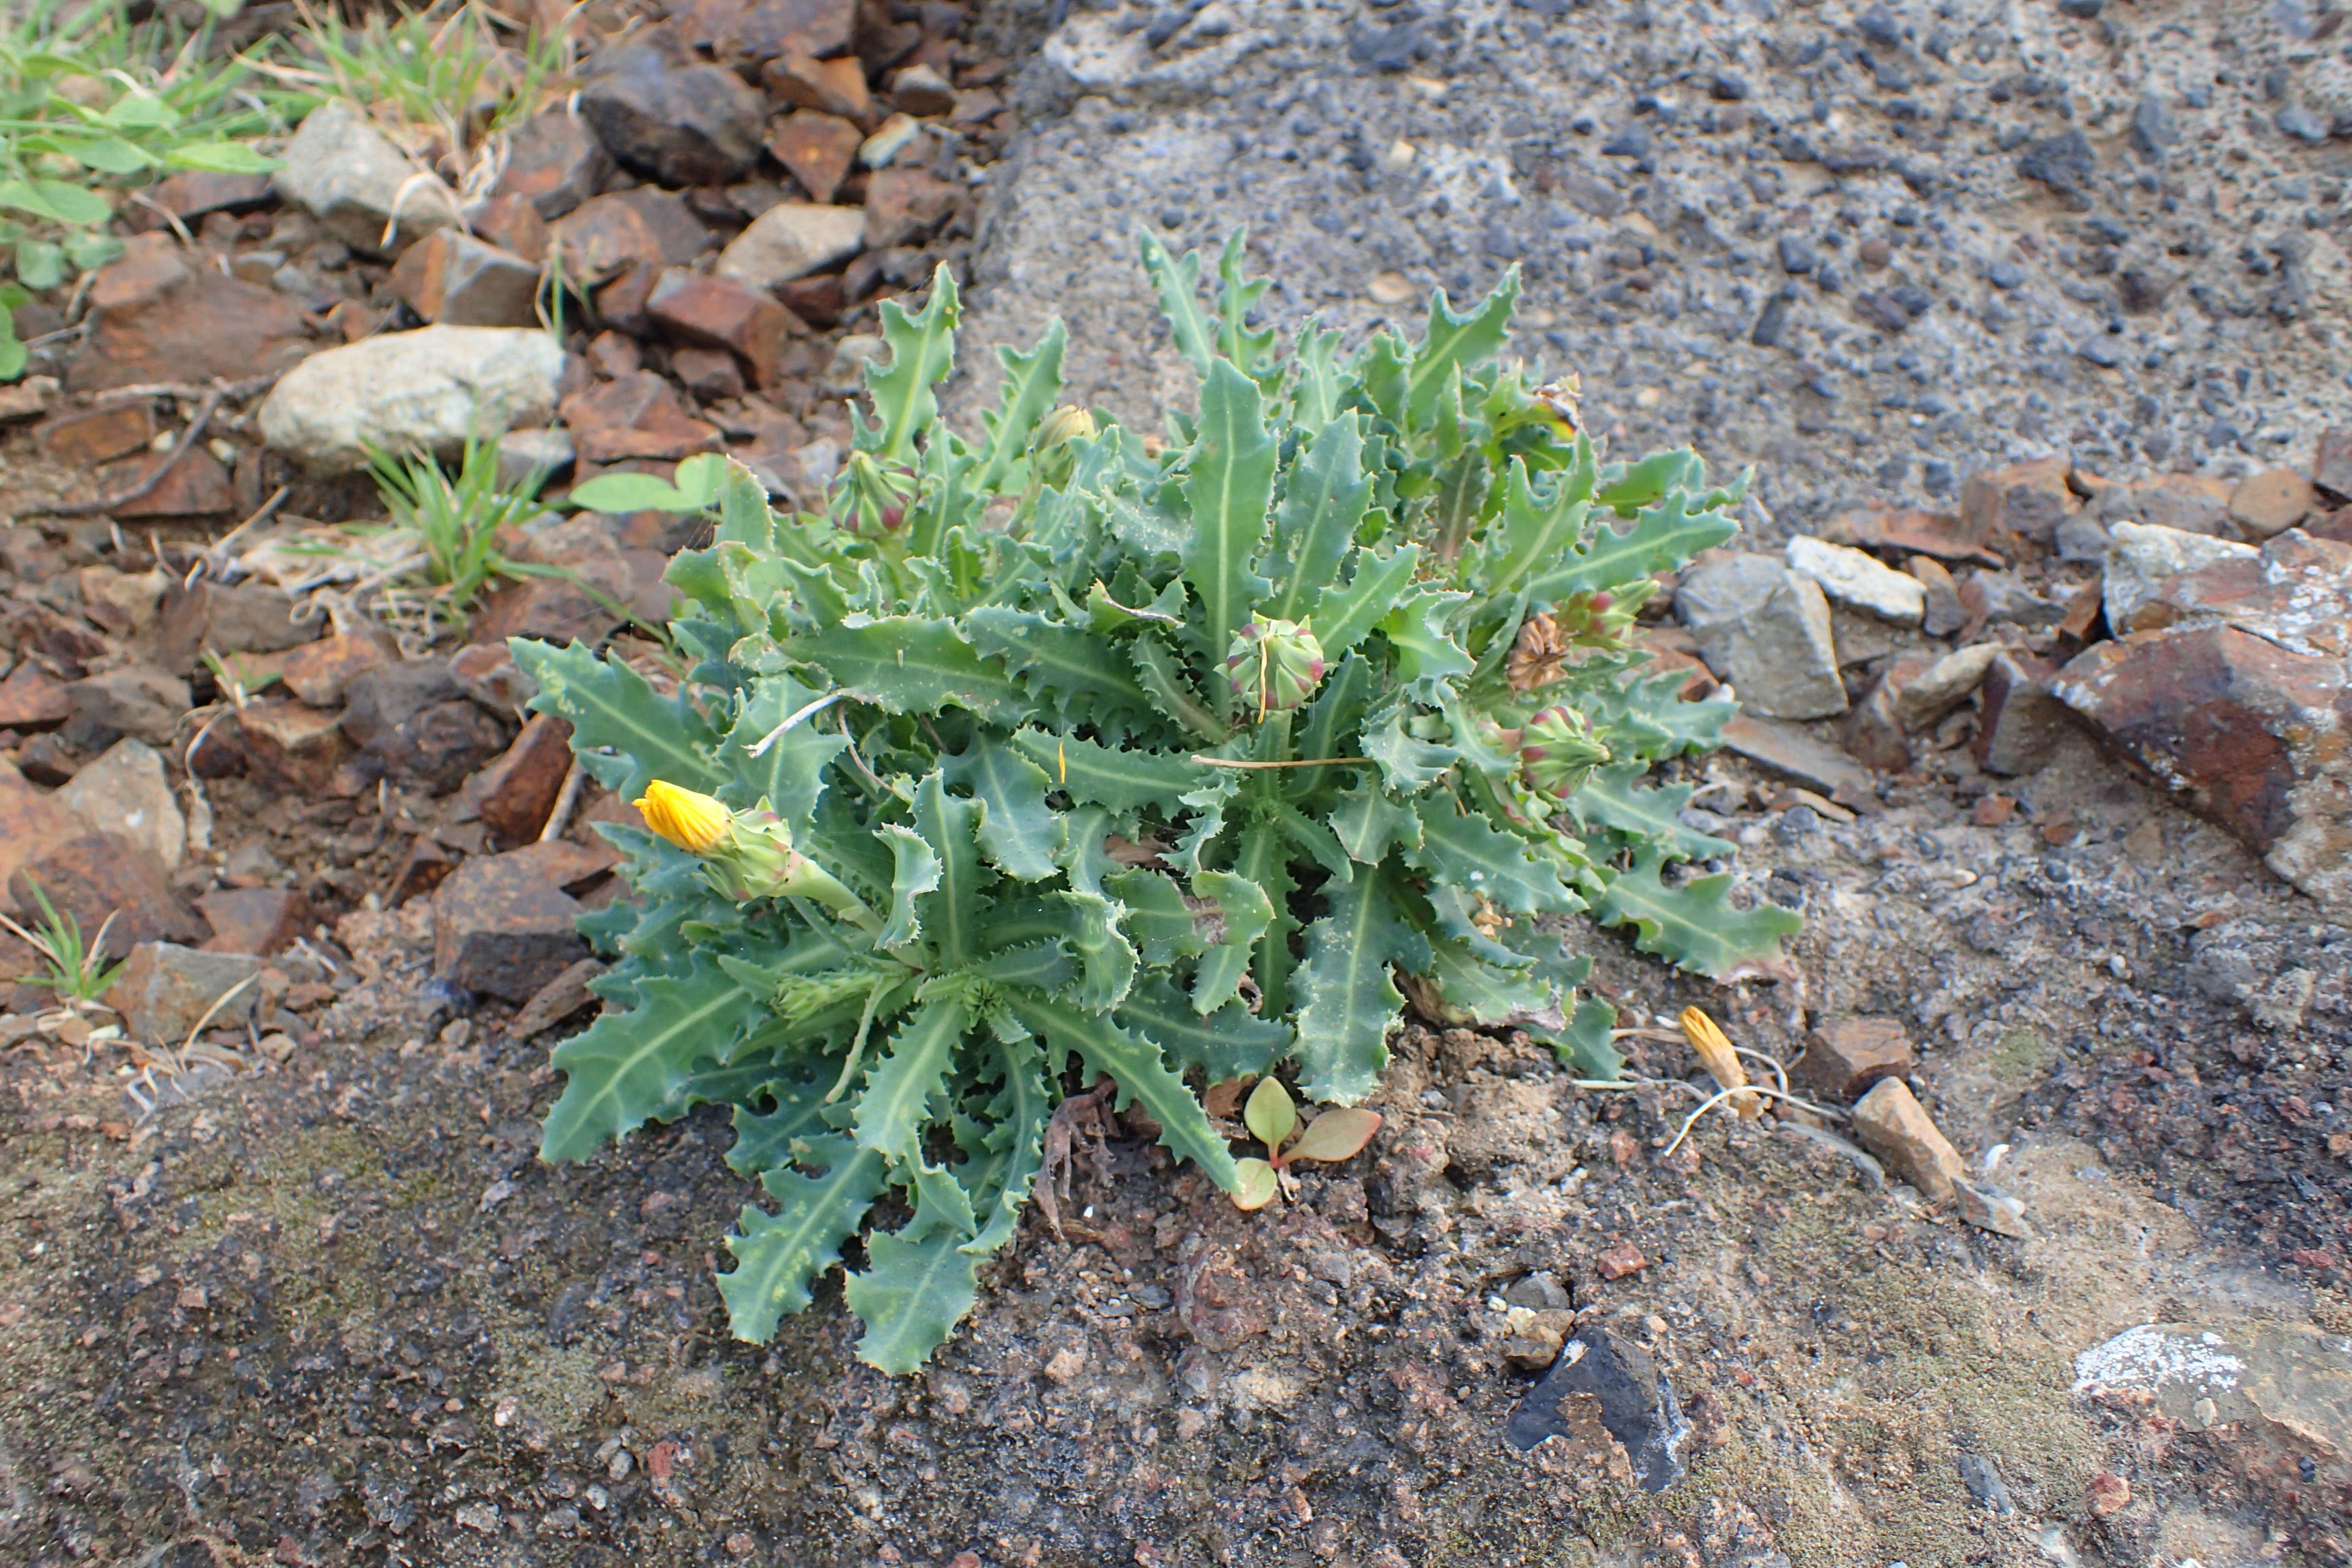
77, 971
1337, 1134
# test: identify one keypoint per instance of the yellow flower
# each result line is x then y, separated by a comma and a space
693, 822
1722, 1063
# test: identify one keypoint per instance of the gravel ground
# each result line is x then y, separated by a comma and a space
335, 1313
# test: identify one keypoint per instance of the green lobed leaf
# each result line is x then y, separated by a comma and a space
1694, 925
1535, 531
1031, 383
772, 1139
910, 664
1345, 614
1055, 660
1610, 797
1454, 342
951, 910
914, 872
789, 774
1178, 283
892, 1111
1019, 832
922, 352
911, 1294
1661, 539
1021, 1110
1416, 627
631, 1067
611, 705
1229, 484
1122, 780
778, 1255
1347, 1002
1323, 504
1231, 1042
1466, 848
1370, 821
1142, 1074
1587, 1045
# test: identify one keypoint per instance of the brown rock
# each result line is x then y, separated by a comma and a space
515, 792
614, 355
1940, 534
501, 928
2248, 731
2027, 500
133, 701
1891, 1124
818, 300
2192, 503
29, 821
438, 745
319, 672
195, 484
166, 990
554, 163
903, 205
774, 28
2297, 592
487, 673
723, 313
711, 374
91, 876
1871, 731
242, 617
1943, 686
2272, 502
2331, 467
65, 643
124, 603
425, 866
1942, 613
562, 864
27, 399
154, 316
84, 438
919, 90
636, 416
544, 607
619, 302
1620, 1260
292, 747
835, 87
32, 698
2021, 720
453, 278
1845, 1058
557, 1000
259, 921
1791, 750
645, 226
193, 192
514, 226
818, 148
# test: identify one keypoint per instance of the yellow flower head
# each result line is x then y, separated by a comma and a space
693, 822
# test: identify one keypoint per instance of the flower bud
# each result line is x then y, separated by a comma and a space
1557, 749
1275, 664
694, 823
1052, 459
746, 855
870, 500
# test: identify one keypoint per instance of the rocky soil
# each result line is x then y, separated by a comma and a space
2030, 316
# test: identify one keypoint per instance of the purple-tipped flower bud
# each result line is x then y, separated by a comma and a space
1557, 750
869, 500
1275, 664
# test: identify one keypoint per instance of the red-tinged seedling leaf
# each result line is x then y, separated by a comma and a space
1335, 1135
1270, 1115
1257, 1184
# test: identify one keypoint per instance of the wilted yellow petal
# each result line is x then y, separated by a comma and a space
1722, 1063
693, 822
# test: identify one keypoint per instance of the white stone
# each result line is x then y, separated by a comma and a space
125, 792
350, 177
890, 138
430, 388
1767, 631
792, 240
2140, 556
1859, 580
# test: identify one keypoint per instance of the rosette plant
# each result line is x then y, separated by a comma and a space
1062, 750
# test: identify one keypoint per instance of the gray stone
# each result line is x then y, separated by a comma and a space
165, 990
522, 453
124, 792
1859, 580
2140, 556
1943, 686
350, 177
430, 388
686, 124
134, 700
1766, 631
2282, 1391
792, 240
1603, 1374
2081, 537
1796, 753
